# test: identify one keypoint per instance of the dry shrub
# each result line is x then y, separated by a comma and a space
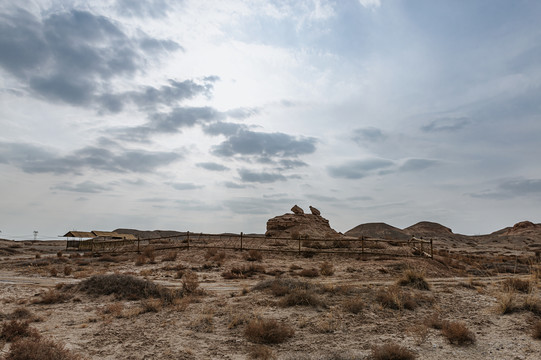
519, 285
458, 333
108, 258
261, 352
140, 260
59, 254
52, 297
53, 272
414, 279
301, 297
394, 298
21, 313
327, 324
284, 283
114, 309
354, 305
213, 255
243, 272
203, 323
434, 321
278, 289
267, 331
309, 273
533, 304
127, 287
148, 252
67, 270
170, 256
326, 269
190, 282
537, 330
294, 267
506, 303
254, 255
152, 305
236, 318
392, 352
14, 330
39, 349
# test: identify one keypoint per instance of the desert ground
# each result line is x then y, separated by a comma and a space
476, 299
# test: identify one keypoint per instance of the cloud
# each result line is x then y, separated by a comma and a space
232, 185
142, 8
249, 205
212, 166
370, 4
286, 164
185, 186
512, 188
259, 144
369, 134
34, 159
446, 124
84, 187
73, 56
223, 128
260, 177
357, 169
417, 164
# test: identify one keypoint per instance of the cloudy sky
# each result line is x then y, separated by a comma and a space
214, 116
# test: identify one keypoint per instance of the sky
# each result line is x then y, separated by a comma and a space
214, 116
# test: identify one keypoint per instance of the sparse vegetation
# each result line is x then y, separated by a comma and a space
39, 349
14, 329
516, 284
394, 298
190, 282
537, 330
354, 305
311, 273
301, 297
326, 269
52, 297
392, 352
458, 333
414, 279
267, 331
170, 256
261, 352
254, 255
243, 272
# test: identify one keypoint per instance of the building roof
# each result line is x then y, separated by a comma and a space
79, 234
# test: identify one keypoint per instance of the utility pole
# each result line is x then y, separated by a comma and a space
35, 235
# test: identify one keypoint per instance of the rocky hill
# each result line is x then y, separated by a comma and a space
149, 234
378, 230
299, 224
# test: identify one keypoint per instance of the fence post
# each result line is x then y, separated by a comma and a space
138, 240
188, 239
241, 241
431, 249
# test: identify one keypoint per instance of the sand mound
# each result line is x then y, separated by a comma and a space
378, 230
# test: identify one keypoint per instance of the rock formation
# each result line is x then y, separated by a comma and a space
297, 210
315, 211
310, 226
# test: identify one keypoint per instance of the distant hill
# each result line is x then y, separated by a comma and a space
149, 234
427, 228
378, 230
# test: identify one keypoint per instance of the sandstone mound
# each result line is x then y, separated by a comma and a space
378, 230
523, 228
427, 228
300, 225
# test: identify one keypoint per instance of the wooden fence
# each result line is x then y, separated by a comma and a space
362, 246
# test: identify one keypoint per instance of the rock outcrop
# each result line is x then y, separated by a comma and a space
297, 210
299, 224
315, 211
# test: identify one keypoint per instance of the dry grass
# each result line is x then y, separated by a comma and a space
52, 297
152, 305
115, 309
39, 349
354, 305
148, 253
458, 333
301, 297
515, 284
261, 352
537, 330
506, 303
203, 323
394, 298
310, 273
67, 270
170, 256
127, 287
190, 282
21, 313
14, 330
267, 331
414, 279
392, 352
243, 272
434, 321
140, 260
326, 269
253, 255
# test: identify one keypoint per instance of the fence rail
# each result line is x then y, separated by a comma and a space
362, 245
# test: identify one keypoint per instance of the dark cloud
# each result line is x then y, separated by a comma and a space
259, 144
212, 166
512, 188
84, 187
143, 8
357, 169
446, 124
185, 186
260, 177
369, 134
417, 164
33, 159
73, 57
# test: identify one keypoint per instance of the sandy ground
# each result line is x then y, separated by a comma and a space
211, 322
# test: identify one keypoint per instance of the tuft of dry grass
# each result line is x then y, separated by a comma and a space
243, 272
311, 273
458, 333
148, 252
53, 272
52, 297
67, 270
392, 352
140, 260
394, 298
413, 278
537, 330
190, 282
515, 284
21, 313
326, 269
152, 305
114, 309
354, 305
261, 352
267, 331
253, 255
301, 297
170, 256
14, 330
506, 303
39, 349
203, 323
434, 321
